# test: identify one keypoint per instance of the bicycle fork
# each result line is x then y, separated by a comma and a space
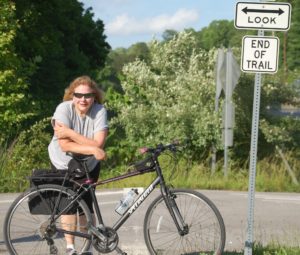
182, 227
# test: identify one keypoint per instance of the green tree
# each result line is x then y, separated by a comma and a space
110, 76
138, 50
293, 38
119, 57
220, 33
273, 94
170, 97
169, 34
63, 40
14, 102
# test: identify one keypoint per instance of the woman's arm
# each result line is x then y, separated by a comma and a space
71, 141
68, 145
62, 131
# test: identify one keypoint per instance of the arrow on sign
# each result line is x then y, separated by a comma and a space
246, 10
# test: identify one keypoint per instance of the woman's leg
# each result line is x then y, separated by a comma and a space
83, 228
69, 223
94, 174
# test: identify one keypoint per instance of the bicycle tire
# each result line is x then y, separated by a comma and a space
206, 226
24, 231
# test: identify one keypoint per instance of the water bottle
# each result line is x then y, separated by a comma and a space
126, 202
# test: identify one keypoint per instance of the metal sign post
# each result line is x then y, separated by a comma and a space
227, 76
253, 158
259, 55
232, 76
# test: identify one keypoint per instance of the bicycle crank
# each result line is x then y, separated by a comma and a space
107, 244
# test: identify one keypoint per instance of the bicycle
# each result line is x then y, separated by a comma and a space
178, 221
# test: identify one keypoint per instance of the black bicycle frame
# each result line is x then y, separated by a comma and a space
136, 204
171, 204
167, 196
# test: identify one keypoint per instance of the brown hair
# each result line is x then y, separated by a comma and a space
83, 80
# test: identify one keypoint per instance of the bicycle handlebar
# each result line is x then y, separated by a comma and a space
160, 148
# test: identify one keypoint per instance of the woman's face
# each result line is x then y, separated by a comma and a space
83, 98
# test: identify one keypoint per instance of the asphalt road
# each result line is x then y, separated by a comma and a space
276, 218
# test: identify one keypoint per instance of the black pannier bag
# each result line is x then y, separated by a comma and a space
44, 202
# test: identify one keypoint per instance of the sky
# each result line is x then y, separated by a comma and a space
128, 22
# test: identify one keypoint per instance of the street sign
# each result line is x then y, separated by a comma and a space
269, 16
260, 54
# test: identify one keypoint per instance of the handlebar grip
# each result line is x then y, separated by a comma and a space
160, 147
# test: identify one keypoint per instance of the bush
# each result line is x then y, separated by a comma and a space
26, 152
170, 97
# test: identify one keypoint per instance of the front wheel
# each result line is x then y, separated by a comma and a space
206, 230
29, 229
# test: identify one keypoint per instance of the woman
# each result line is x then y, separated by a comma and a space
80, 126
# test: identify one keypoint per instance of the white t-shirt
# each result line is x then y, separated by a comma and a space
94, 121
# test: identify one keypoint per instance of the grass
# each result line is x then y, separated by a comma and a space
271, 176
271, 249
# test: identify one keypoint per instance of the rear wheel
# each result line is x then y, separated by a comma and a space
28, 228
206, 230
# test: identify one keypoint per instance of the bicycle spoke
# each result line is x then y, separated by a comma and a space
205, 227
27, 233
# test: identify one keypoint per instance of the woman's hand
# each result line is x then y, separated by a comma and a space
99, 154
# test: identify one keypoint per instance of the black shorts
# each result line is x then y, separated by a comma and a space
94, 174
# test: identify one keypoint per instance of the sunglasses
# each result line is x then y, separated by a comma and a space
85, 95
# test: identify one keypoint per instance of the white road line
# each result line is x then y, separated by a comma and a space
105, 193
6, 201
274, 198
98, 194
